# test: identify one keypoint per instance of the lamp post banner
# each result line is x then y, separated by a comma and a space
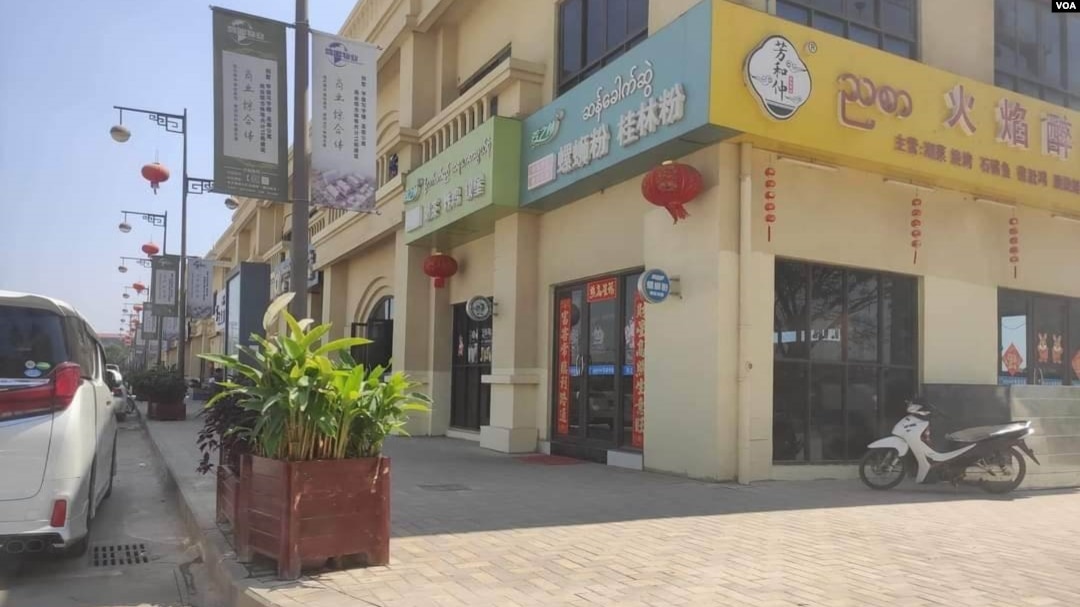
164, 274
343, 123
200, 292
250, 143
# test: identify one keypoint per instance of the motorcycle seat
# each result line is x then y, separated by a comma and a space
981, 433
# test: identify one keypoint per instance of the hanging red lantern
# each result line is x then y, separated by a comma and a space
139, 287
1014, 245
156, 174
916, 227
770, 198
440, 267
671, 185
150, 249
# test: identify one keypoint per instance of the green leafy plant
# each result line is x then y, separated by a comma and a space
310, 405
160, 385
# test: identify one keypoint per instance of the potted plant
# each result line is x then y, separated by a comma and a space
226, 429
164, 389
316, 485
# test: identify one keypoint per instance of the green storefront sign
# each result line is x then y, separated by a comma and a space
457, 196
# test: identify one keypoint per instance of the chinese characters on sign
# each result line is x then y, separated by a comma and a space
164, 273
638, 401
457, 181
778, 77
960, 103
343, 123
200, 301
249, 106
601, 290
563, 403
1056, 136
1012, 124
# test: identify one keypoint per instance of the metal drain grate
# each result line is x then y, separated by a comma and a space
119, 555
444, 487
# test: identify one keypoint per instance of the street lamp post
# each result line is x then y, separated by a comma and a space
173, 123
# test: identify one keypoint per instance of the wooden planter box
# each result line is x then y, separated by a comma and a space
228, 487
167, 411
303, 513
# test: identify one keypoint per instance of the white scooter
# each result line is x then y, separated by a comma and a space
987, 456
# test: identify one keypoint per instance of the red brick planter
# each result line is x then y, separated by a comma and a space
303, 513
167, 411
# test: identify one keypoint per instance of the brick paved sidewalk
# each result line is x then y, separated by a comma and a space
473, 528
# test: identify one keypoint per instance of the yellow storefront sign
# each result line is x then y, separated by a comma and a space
804, 92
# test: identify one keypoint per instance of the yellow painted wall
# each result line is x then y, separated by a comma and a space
475, 269
370, 277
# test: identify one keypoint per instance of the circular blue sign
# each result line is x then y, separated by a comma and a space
654, 286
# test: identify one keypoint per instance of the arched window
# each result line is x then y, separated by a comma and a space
379, 328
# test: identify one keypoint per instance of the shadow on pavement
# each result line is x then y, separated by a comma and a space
451, 486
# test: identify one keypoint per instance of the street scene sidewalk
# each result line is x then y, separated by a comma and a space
474, 527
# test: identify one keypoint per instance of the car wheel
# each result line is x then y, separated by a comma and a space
112, 470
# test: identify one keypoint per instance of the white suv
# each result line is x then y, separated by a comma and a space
57, 428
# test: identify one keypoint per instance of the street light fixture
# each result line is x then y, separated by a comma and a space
231, 204
172, 123
125, 227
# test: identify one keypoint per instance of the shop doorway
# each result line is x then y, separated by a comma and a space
593, 383
470, 400
379, 328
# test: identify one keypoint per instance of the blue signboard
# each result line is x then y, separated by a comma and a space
648, 105
654, 285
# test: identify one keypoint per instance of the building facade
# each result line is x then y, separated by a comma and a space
889, 201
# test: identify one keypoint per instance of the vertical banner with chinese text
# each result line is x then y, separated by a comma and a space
563, 404
637, 438
164, 283
343, 96
250, 143
200, 292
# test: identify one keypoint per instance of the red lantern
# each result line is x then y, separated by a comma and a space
770, 197
156, 174
440, 267
1014, 245
671, 185
139, 287
916, 224
150, 249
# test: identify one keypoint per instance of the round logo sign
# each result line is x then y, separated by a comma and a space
479, 308
654, 286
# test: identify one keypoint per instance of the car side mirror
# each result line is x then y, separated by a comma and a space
110, 381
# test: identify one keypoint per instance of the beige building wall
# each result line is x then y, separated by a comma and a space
369, 278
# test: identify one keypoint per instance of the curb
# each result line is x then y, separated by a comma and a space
226, 574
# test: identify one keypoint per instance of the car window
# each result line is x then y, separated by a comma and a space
84, 352
101, 359
31, 342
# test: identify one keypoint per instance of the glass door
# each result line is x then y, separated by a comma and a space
470, 399
595, 362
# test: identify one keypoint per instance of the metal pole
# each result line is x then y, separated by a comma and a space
299, 269
165, 230
181, 352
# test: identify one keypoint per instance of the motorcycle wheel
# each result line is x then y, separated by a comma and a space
1019, 467
878, 463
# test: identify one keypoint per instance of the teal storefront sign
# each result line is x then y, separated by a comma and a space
649, 105
457, 196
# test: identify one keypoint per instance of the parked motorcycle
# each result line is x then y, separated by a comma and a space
987, 456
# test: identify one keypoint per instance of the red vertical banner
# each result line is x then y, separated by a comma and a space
637, 438
563, 374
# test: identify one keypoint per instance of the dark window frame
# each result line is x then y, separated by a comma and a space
565, 82
1013, 78
1030, 356
816, 13
382, 312
882, 365
484, 70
